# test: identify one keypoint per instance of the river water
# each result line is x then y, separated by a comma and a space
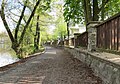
7, 55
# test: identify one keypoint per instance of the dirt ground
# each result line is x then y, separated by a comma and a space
55, 66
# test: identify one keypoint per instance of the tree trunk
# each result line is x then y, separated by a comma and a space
89, 13
27, 24
37, 35
35, 41
68, 33
103, 10
17, 49
15, 43
95, 10
38, 41
87, 10
5, 22
20, 20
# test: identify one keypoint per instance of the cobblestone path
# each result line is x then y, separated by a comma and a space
55, 66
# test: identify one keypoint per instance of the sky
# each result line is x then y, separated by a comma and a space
1, 24
2, 28
52, 27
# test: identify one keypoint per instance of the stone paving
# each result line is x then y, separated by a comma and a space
55, 66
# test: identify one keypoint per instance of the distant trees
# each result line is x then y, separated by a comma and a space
60, 30
3, 37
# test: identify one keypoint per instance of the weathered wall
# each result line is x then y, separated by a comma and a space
107, 70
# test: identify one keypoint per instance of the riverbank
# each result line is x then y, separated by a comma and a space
6, 67
20, 61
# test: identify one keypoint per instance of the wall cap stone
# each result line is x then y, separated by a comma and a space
109, 19
77, 33
111, 59
93, 23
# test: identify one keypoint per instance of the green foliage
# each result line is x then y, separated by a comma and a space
112, 8
60, 25
45, 36
74, 10
60, 30
25, 22
29, 49
31, 31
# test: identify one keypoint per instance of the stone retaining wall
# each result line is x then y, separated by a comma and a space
108, 71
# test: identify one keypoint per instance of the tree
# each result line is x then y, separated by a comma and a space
60, 30
16, 42
37, 35
79, 11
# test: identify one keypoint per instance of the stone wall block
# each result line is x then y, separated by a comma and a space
94, 64
83, 57
79, 57
96, 67
88, 60
91, 29
114, 76
117, 81
108, 72
78, 54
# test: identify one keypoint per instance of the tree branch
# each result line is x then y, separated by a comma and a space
5, 22
27, 24
105, 2
16, 21
14, 14
20, 19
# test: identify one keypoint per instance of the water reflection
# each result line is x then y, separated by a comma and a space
7, 55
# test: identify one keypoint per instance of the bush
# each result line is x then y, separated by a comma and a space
30, 49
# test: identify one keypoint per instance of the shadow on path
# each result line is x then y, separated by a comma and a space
55, 66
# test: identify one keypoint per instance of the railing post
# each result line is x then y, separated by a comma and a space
92, 33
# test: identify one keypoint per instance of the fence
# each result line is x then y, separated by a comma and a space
82, 39
66, 42
71, 41
108, 34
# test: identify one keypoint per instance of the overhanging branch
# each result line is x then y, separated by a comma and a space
5, 22
20, 19
28, 22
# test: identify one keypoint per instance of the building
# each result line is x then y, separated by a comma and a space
77, 29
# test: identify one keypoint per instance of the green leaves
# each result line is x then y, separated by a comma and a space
72, 10
77, 11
